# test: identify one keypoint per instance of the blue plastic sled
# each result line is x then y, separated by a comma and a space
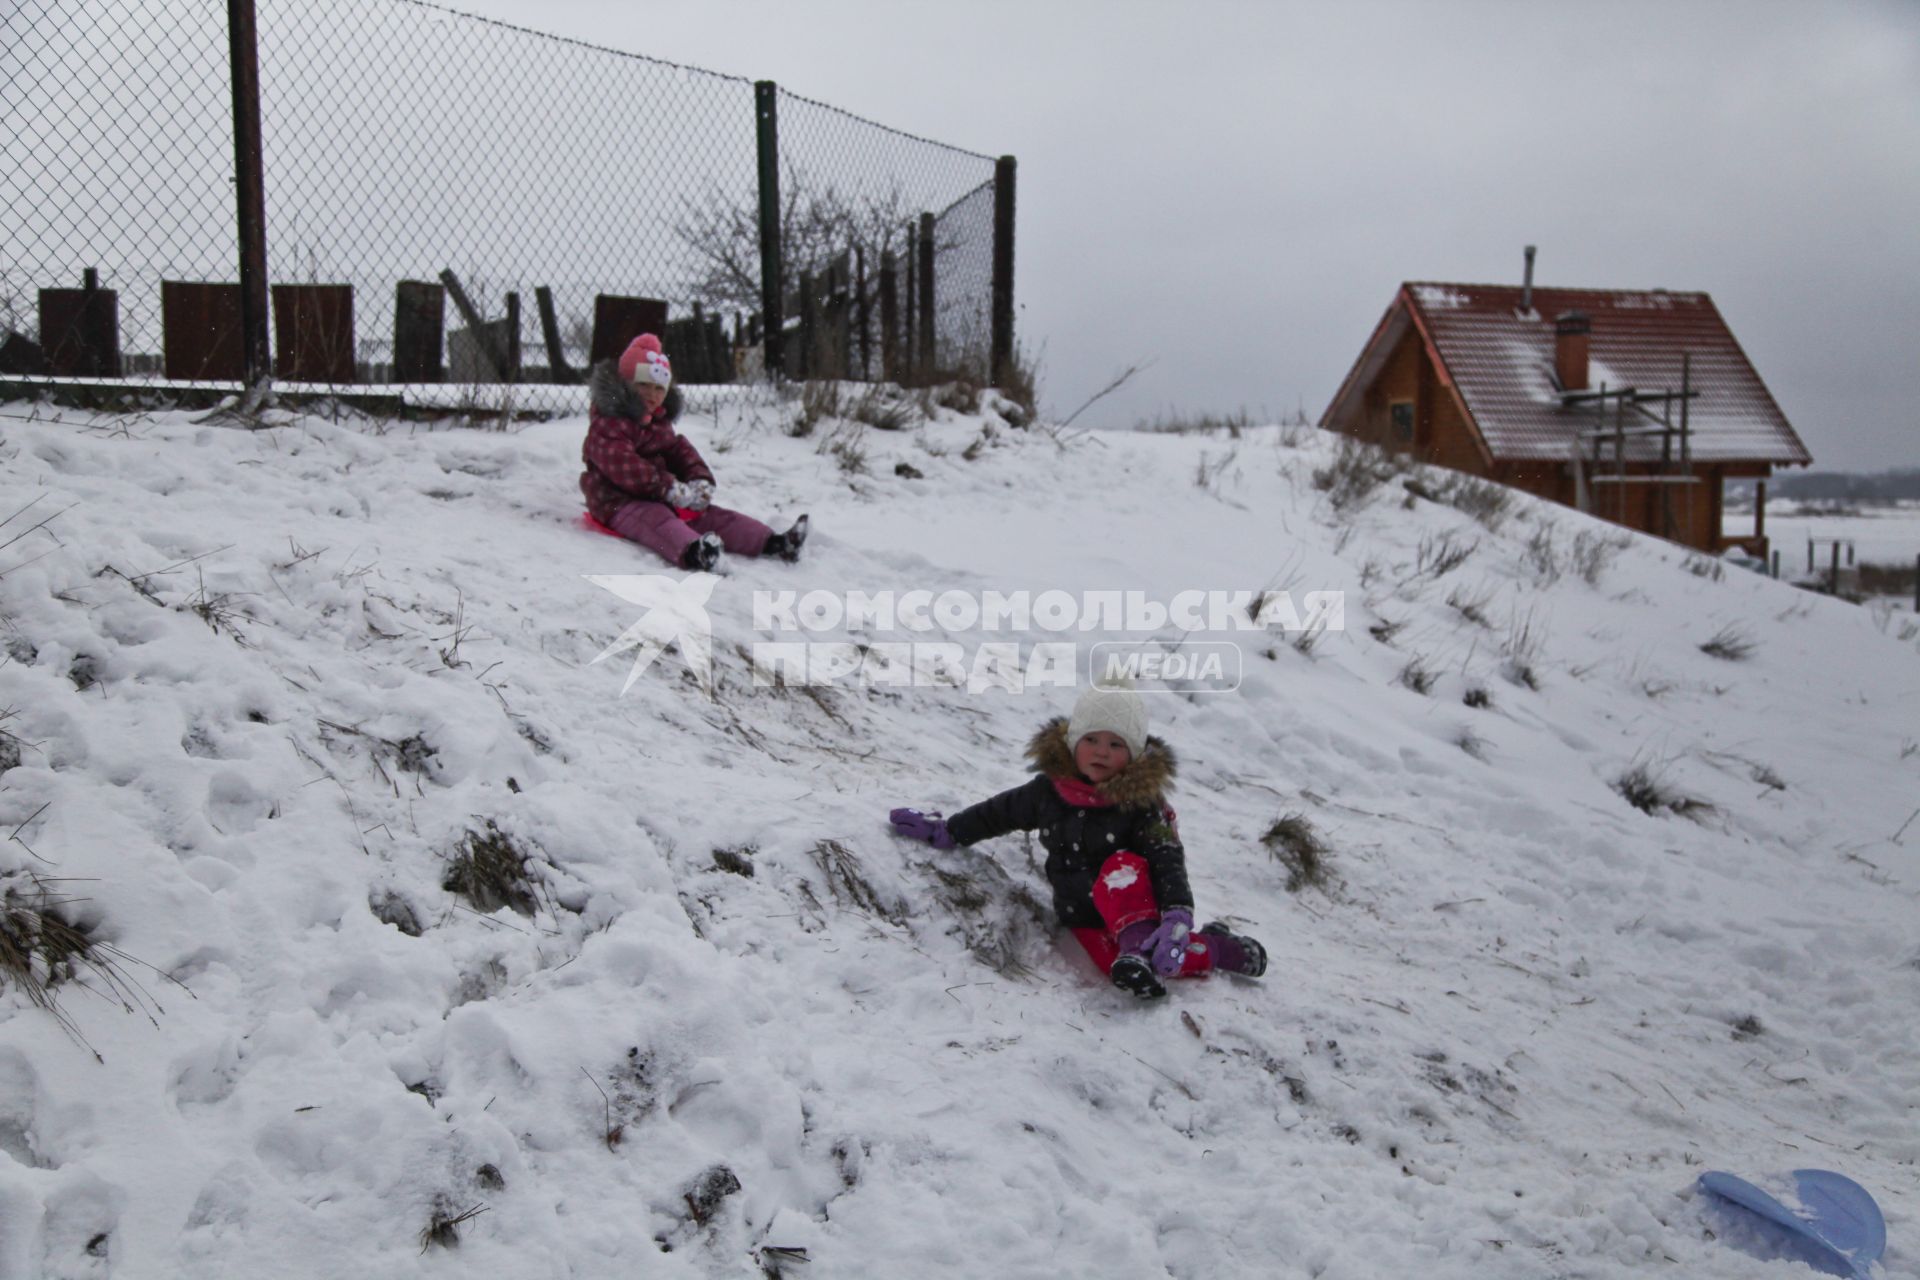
1836, 1228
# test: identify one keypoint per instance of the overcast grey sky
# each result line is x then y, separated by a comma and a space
1232, 191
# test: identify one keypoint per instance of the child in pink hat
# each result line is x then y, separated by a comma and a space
646, 481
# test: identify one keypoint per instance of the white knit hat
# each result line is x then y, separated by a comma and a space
1117, 710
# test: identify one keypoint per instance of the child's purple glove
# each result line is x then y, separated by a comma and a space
929, 827
1166, 946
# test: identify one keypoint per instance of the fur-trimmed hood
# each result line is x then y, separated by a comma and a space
1145, 781
612, 396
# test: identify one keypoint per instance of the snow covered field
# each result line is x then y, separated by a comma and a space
264, 687
1887, 535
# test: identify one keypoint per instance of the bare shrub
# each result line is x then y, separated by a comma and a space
1209, 470
1385, 630
1437, 557
885, 408
1481, 500
1524, 641
1417, 675
1471, 605
1592, 552
847, 446
1020, 383
819, 402
1477, 697
1705, 567
1541, 556
1200, 424
1356, 471
1295, 845
1731, 643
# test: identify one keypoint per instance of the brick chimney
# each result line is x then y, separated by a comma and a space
1572, 331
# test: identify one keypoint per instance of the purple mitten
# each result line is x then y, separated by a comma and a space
1166, 947
921, 826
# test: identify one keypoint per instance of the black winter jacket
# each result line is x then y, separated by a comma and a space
1079, 838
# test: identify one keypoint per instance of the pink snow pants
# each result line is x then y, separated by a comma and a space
659, 528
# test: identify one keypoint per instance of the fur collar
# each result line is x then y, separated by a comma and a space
1145, 781
612, 396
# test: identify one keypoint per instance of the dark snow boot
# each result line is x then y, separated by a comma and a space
1133, 975
702, 553
1234, 952
787, 545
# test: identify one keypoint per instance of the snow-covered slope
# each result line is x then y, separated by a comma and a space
265, 687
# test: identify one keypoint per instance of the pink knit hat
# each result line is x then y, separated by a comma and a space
643, 362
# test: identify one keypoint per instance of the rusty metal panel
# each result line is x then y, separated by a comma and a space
419, 330
80, 332
618, 321
201, 331
313, 332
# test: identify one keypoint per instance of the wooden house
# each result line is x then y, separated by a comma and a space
1634, 405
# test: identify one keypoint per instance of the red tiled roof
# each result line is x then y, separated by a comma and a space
1500, 362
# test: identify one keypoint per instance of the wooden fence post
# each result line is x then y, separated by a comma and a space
558, 370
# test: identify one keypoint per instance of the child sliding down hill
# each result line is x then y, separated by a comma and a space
647, 482
1114, 859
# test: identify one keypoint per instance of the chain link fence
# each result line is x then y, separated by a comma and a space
454, 205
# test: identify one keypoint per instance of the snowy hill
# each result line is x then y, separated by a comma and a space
268, 693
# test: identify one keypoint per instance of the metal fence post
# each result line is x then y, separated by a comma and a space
1002, 342
926, 294
249, 185
766, 97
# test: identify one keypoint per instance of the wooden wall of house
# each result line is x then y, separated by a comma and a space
1547, 480
1399, 379
1450, 438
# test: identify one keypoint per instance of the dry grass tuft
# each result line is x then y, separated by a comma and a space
1295, 845
490, 871
1732, 643
44, 944
1646, 789
443, 1227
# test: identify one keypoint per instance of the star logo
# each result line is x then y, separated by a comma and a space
676, 614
